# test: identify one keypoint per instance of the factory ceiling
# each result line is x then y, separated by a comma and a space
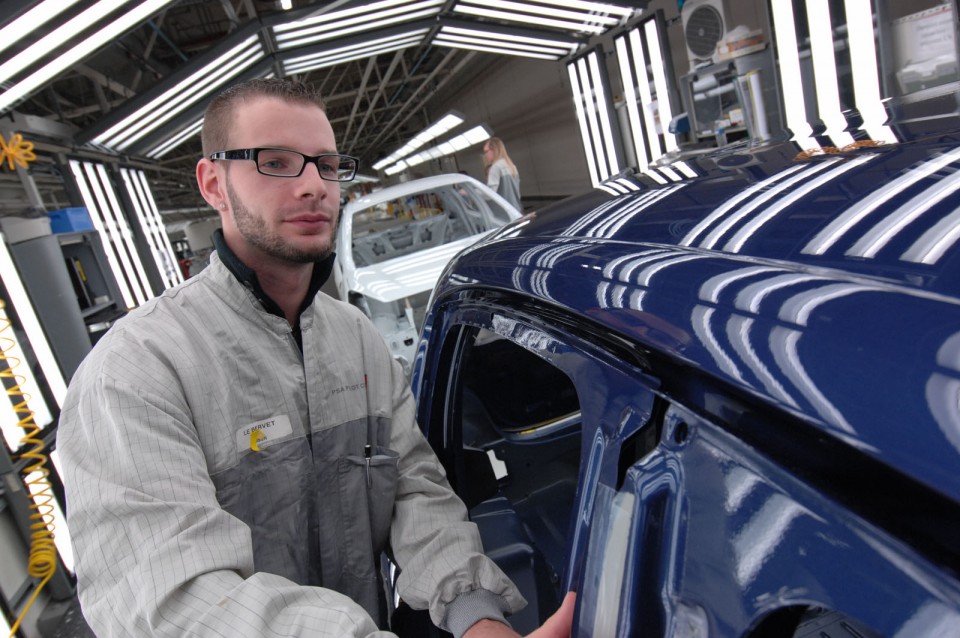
139, 95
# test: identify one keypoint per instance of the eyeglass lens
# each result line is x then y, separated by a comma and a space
290, 163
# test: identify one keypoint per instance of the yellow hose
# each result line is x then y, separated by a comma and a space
42, 561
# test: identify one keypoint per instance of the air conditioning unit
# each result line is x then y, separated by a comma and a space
704, 27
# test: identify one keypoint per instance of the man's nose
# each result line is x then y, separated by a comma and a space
311, 175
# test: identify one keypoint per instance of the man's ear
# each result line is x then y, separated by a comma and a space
211, 183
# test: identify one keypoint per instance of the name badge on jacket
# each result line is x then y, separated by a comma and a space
262, 434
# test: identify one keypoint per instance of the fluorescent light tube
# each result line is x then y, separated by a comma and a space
825, 72
32, 19
660, 83
31, 324
185, 93
531, 19
863, 62
138, 14
104, 230
791, 82
363, 24
630, 96
579, 107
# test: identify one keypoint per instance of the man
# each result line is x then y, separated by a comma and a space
239, 450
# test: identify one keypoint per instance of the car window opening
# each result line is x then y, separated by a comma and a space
520, 423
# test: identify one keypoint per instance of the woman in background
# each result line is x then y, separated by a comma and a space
502, 175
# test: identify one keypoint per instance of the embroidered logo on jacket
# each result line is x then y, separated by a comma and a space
351, 388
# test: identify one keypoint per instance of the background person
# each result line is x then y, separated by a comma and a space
502, 174
240, 450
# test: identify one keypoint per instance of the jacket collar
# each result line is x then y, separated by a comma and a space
246, 276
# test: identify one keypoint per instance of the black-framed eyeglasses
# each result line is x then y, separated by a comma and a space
281, 162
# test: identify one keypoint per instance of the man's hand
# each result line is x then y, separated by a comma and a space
558, 625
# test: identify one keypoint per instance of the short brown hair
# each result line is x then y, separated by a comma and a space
216, 119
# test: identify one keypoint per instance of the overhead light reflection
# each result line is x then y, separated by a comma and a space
883, 232
934, 243
714, 237
758, 221
843, 223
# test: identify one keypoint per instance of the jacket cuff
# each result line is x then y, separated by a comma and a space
472, 606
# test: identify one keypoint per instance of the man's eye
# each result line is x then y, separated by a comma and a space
273, 164
327, 169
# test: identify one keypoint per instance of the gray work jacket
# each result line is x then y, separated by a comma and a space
219, 482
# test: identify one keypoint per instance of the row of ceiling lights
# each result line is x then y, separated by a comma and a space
136, 127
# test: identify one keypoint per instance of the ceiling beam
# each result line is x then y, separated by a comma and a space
372, 103
412, 104
361, 92
104, 81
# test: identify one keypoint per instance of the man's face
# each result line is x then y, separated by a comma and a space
279, 219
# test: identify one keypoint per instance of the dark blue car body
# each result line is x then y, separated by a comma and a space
728, 405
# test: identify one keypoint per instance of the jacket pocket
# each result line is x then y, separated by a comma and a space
368, 489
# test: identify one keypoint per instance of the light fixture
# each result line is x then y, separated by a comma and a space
791, 80
445, 124
364, 18
182, 95
825, 73
472, 137
503, 42
107, 199
592, 105
571, 15
178, 136
33, 329
396, 168
648, 109
630, 96
658, 65
358, 51
31, 20
62, 33
863, 63
70, 57
118, 259
176, 140
152, 226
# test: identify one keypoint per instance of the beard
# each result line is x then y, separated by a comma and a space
253, 228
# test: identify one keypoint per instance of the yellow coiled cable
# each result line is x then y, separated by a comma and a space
42, 561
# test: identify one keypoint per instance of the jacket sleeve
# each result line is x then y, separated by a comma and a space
156, 555
438, 549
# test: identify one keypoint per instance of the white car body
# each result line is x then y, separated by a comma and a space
393, 244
